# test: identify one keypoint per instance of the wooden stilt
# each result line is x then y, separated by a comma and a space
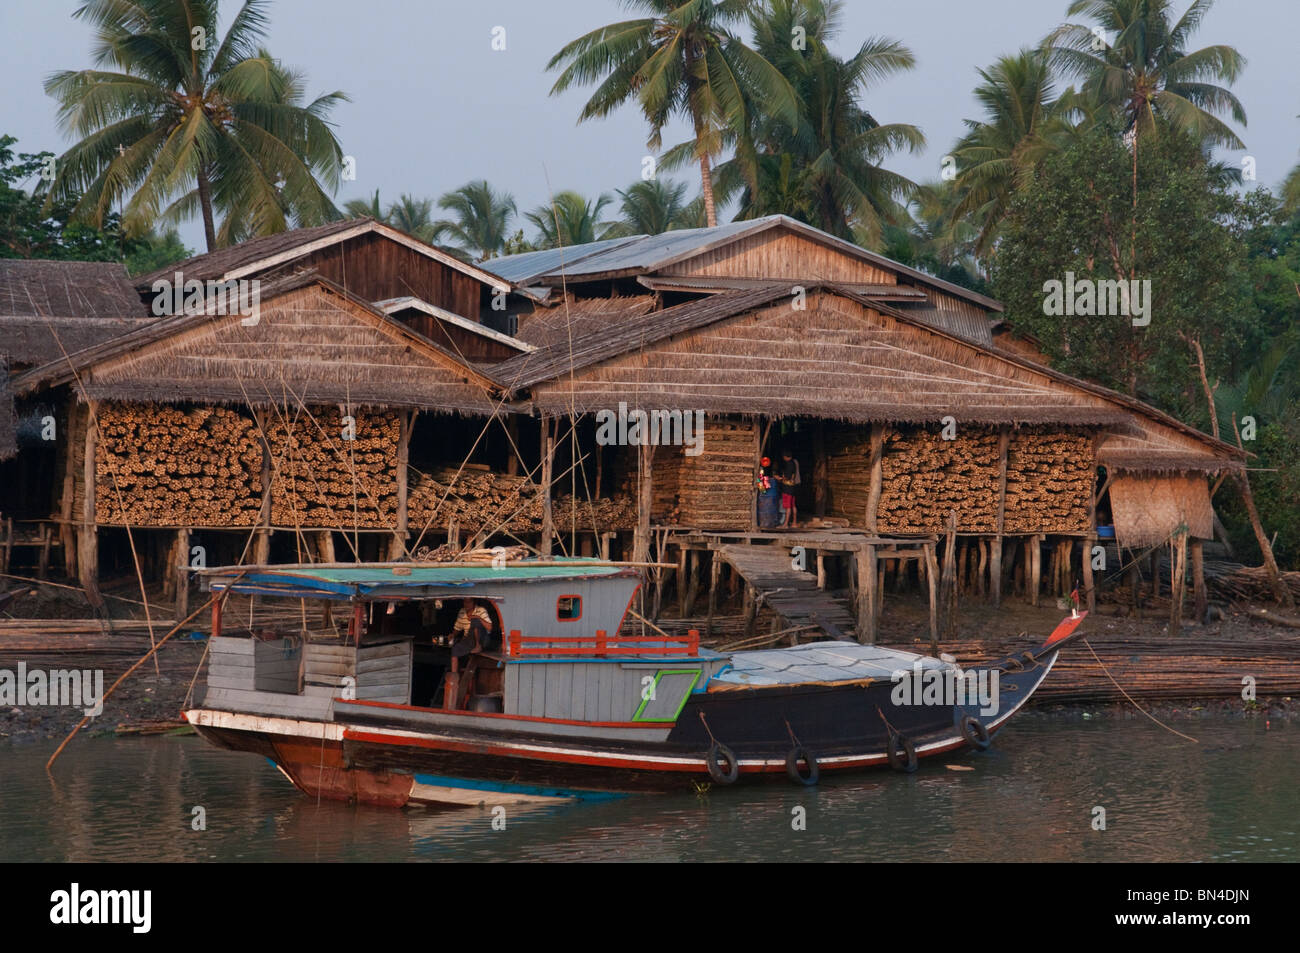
750, 610
1035, 545
88, 532
948, 582
875, 464
641, 543
821, 570
181, 573
715, 570
932, 577
1199, 598
548, 517
692, 583
1177, 583
1089, 583
867, 594
683, 554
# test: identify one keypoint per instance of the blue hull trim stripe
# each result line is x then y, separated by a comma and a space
503, 787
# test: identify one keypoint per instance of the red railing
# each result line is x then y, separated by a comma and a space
601, 645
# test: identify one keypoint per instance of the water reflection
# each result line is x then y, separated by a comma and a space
1235, 796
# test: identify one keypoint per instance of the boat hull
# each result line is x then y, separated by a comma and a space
395, 755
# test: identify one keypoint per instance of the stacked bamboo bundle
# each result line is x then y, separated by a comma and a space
1237, 583
712, 490
321, 479
1049, 481
476, 498
925, 477
157, 465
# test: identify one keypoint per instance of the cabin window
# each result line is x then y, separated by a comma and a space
568, 608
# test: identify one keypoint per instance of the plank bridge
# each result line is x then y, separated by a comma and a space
790, 593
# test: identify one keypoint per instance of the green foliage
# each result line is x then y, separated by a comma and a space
1077, 216
30, 229
480, 221
651, 207
187, 121
155, 251
570, 219
824, 165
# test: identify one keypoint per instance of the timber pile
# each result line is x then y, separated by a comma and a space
477, 499
1049, 481
925, 477
320, 479
1243, 583
447, 553
157, 465
1153, 668
711, 490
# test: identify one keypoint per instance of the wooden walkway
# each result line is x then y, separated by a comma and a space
791, 594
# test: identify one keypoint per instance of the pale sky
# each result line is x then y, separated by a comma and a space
434, 106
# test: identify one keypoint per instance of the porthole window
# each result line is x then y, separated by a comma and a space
568, 608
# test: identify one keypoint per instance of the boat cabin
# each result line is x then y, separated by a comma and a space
535, 641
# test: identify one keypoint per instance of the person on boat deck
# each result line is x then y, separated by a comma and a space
787, 474
472, 631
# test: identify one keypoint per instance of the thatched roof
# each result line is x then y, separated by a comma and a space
48, 308
314, 343
260, 255
577, 319
843, 357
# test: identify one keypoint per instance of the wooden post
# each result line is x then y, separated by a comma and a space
1035, 581
548, 456
683, 555
715, 572
693, 583
948, 583
875, 466
405, 420
750, 608
821, 570
821, 470
867, 593
932, 575
1177, 582
995, 555
67, 519
88, 533
181, 573
325, 546
1089, 583
1199, 598
512, 430
645, 488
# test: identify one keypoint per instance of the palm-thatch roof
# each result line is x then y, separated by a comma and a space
843, 356
49, 308
572, 319
313, 343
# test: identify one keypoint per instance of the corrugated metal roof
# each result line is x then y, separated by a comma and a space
526, 266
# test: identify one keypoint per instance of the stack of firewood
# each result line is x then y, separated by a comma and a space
475, 498
1049, 481
328, 474
158, 465
925, 477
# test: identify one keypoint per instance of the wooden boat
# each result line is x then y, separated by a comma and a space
362, 704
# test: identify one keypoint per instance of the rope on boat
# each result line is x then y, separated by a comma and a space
1130, 698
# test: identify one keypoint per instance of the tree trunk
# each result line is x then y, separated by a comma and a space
205, 202
706, 186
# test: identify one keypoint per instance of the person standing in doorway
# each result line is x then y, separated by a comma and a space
787, 474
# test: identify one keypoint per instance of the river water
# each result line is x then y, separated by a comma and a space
1032, 797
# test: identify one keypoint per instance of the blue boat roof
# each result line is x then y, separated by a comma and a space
336, 582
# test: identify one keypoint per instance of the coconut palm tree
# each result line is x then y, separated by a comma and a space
364, 208
413, 216
650, 207
1024, 121
1291, 190
481, 225
825, 167
570, 219
183, 123
1147, 71
680, 60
